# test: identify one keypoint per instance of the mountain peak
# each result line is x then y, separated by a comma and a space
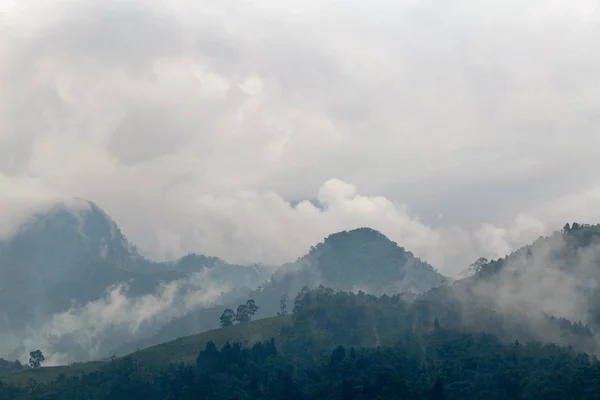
360, 240
365, 259
74, 229
363, 233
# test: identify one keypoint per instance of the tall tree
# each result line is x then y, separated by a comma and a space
283, 305
36, 358
251, 308
241, 314
227, 318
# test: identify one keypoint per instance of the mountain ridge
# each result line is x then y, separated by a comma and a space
354, 260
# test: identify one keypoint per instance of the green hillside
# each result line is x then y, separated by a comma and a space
48, 374
343, 346
184, 349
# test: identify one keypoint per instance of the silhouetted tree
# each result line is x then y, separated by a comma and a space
283, 306
241, 314
227, 318
251, 308
36, 358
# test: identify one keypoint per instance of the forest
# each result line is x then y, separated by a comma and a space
342, 345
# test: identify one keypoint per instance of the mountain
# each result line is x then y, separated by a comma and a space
73, 253
217, 270
360, 259
494, 334
547, 291
558, 275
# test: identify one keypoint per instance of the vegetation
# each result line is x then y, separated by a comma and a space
36, 358
7, 366
283, 306
336, 346
177, 351
244, 313
227, 318
361, 257
451, 342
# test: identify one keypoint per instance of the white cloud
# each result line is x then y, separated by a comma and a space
195, 123
116, 317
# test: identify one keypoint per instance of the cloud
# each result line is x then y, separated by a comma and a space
197, 125
553, 277
90, 330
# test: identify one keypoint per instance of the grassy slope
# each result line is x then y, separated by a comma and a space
48, 374
186, 349
183, 349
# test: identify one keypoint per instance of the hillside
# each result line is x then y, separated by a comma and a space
360, 259
558, 275
335, 346
184, 349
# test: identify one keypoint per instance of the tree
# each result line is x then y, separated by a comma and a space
227, 318
241, 314
246, 311
283, 306
36, 358
251, 307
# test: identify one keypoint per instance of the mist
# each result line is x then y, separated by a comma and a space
555, 276
89, 331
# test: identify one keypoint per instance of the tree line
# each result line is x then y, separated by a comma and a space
347, 346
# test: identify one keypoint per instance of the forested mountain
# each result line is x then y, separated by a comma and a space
360, 259
558, 275
342, 346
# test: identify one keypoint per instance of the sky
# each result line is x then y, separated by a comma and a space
251, 130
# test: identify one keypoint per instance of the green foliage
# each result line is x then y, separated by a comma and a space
341, 345
8, 366
36, 358
245, 312
283, 306
227, 318
438, 365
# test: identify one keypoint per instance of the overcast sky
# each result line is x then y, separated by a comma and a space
458, 128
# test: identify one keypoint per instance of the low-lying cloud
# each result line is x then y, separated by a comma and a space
89, 331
